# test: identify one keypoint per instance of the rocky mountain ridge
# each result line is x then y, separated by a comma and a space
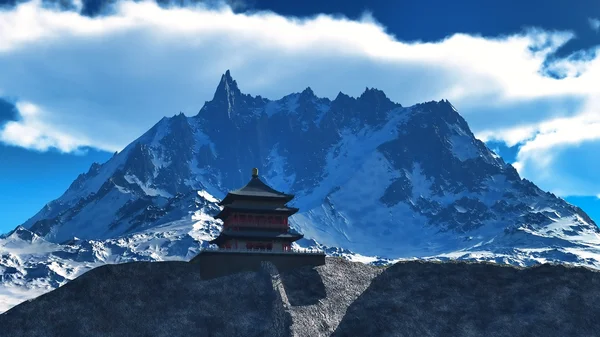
338, 299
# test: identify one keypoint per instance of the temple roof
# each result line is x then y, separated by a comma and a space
262, 209
257, 189
290, 235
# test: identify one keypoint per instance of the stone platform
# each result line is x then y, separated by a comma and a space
220, 262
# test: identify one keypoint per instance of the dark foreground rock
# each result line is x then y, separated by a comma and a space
338, 299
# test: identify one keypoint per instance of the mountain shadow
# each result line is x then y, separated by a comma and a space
471, 299
303, 286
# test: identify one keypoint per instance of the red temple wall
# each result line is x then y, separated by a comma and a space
243, 244
251, 220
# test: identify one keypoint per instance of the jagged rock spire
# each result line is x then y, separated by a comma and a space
227, 92
227, 87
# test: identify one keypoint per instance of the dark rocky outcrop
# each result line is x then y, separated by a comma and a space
341, 298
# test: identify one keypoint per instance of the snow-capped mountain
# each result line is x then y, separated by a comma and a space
31, 265
371, 178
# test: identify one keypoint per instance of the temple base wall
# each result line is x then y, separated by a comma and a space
214, 264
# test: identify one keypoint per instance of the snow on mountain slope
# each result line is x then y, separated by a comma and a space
30, 265
374, 181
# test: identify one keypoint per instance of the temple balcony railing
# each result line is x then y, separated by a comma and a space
264, 251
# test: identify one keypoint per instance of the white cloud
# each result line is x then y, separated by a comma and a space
594, 23
32, 133
518, 166
559, 154
510, 136
104, 81
548, 134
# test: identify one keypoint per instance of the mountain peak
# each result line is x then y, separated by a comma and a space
435, 106
94, 168
308, 92
22, 233
227, 89
373, 96
372, 92
226, 77
342, 97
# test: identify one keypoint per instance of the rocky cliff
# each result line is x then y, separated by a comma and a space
341, 298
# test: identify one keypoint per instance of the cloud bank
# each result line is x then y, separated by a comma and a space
102, 81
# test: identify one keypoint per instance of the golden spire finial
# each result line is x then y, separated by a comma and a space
254, 172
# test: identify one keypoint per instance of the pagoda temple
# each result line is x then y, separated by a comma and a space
256, 217
255, 230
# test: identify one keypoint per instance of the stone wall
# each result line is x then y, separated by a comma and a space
217, 263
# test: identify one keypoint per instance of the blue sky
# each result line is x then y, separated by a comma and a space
82, 79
